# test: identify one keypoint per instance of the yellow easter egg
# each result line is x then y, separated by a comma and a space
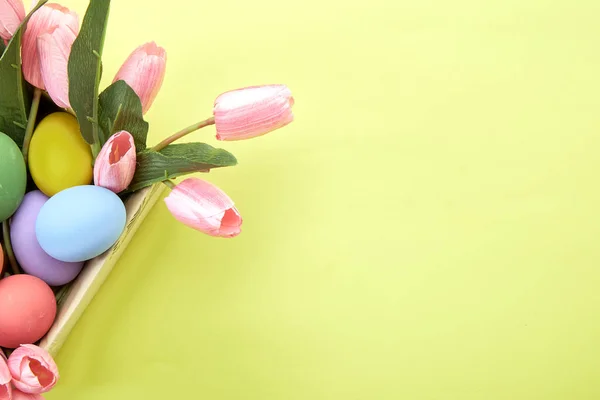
59, 157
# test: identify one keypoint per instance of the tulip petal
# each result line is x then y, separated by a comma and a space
5, 375
144, 72
252, 111
5, 379
6, 391
12, 13
54, 48
18, 395
230, 223
28, 381
204, 207
44, 20
115, 165
33, 370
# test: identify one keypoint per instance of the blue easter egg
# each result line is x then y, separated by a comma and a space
80, 223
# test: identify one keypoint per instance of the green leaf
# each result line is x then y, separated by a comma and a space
176, 160
15, 98
85, 69
121, 109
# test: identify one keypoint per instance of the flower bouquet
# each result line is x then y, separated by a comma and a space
77, 175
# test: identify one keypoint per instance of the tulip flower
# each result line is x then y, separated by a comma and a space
144, 71
18, 395
44, 20
252, 111
204, 207
54, 48
33, 369
12, 13
115, 164
5, 379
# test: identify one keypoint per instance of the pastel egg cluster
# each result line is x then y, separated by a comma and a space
62, 221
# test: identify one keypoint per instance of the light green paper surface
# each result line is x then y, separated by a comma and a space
427, 228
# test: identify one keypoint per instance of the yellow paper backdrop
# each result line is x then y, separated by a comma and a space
427, 228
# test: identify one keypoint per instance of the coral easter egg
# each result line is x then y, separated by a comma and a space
59, 157
13, 176
27, 310
80, 223
32, 258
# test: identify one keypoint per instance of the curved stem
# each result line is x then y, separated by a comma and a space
183, 132
8, 247
35, 104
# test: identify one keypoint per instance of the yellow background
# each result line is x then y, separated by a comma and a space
426, 229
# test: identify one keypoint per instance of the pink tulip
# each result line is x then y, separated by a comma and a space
54, 48
6, 391
144, 71
18, 395
253, 111
204, 207
115, 164
45, 20
12, 13
33, 369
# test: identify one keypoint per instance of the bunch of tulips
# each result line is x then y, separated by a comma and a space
237, 115
71, 154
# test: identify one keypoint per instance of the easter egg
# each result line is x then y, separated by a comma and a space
80, 223
13, 176
32, 258
59, 157
27, 310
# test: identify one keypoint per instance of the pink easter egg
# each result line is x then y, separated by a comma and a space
27, 310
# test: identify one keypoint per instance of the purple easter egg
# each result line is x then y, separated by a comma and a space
29, 254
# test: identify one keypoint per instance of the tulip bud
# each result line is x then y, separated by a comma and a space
18, 395
5, 378
33, 369
204, 207
44, 20
54, 48
12, 13
144, 71
253, 111
115, 165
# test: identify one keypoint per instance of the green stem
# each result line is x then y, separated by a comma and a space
8, 247
183, 132
96, 147
169, 183
35, 104
95, 150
